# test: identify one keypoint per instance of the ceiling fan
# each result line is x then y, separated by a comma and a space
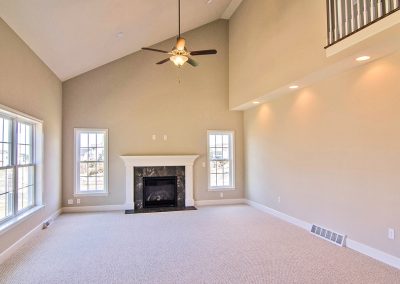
179, 55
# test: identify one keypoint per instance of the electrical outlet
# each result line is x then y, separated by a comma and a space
70, 201
391, 234
78, 201
165, 137
279, 199
221, 194
154, 137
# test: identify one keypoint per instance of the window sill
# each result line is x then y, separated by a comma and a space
80, 194
221, 188
19, 219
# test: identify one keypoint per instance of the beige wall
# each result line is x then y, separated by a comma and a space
272, 43
134, 98
27, 85
331, 152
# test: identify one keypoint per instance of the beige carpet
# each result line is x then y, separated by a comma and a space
225, 244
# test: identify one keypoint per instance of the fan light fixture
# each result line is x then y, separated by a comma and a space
178, 60
179, 54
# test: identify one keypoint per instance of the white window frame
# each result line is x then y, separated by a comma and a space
77, 132
37, 162
231, 133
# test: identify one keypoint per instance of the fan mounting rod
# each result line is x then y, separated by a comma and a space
179, 18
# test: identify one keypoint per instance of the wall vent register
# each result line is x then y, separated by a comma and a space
331, 236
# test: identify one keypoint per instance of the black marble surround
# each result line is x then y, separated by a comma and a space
140, 172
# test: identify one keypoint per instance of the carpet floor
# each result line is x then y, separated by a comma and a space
218, 244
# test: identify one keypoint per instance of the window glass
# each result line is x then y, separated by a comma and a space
5, 141
25, 187
6, 193
24, 142
220, 156
17, 167
91, 161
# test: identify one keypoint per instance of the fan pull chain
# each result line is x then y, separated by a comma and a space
179, 73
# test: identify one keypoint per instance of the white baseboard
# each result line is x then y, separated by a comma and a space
122, 207
374, 253
354, 245
98, 208
19, 243
219, 202
280, 215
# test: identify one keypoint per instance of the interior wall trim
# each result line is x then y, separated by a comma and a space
351, 244
95, 208
220, 202
24, 239
122, 207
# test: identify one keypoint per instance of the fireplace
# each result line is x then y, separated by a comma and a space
138, 167
160, 191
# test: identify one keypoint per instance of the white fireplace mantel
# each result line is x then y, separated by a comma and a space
159, 161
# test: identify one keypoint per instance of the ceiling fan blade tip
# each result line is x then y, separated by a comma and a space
203, 52
154, 49
162, 61
192, 62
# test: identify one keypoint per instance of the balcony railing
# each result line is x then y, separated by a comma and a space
346, 17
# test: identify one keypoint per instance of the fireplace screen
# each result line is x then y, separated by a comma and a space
159, 192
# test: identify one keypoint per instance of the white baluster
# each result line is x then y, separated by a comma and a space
387, 6
366, 20
335, 9
352, 20
372, 10
330, 15
358, 14
395, 4
380, 8
340, 18
346, 17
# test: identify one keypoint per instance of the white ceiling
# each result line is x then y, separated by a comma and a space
75, 36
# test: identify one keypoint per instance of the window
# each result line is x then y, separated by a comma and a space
18, 165
91, 161
221, 160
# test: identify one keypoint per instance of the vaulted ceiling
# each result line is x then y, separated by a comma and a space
75, 36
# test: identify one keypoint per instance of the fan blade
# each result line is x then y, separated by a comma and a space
163, 61
153, 49
192, 62
203, 52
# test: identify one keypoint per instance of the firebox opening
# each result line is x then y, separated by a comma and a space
159, 192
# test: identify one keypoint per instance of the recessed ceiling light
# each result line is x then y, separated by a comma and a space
256, 102
120, 35
363, 58
294, 87
209, 1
